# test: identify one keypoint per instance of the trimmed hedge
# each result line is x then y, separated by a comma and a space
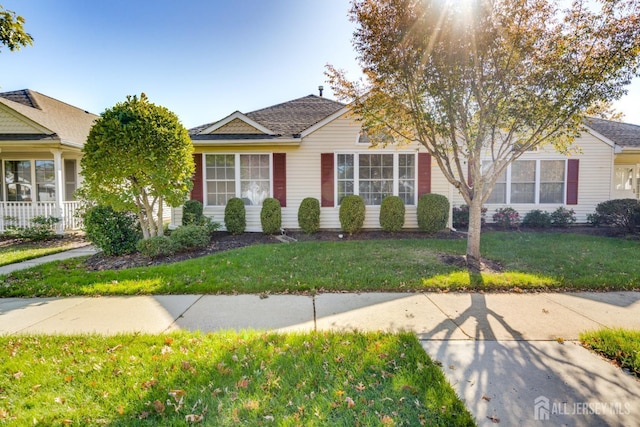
392, 212
620, 213
309, 215
114, 232
155, 247
235, 216
190, 237
192, 212
433, 212
537, 219
352, 211
271, 216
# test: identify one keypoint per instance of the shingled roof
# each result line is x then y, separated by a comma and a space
69, 124
288, 119
622, 134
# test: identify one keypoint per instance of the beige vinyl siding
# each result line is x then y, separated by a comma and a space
594, 180
237, 126
303, 176
10, 124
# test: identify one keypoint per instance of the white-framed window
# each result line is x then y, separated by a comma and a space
531, 182
29, 180
374, 176
247, 176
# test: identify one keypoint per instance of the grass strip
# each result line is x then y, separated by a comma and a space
224, 379
530, 261
620, 345
26, 251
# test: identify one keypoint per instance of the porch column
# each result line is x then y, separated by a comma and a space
57, 165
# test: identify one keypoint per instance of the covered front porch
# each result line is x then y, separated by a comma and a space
39, 183
626, 175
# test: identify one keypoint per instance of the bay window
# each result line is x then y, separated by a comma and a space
376, 176
247, 176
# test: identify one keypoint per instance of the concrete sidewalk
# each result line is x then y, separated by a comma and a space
72, 253
506, 355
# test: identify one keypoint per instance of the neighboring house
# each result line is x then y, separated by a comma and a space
313, 147
41, 141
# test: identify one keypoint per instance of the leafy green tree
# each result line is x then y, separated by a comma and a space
478, 83
137, 156
12, 33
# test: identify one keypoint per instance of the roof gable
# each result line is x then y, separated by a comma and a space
236, 123
286, 120
622, 134
70, 124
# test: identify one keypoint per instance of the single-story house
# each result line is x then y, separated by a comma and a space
41, 141
314, 147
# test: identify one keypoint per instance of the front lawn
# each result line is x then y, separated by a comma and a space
17, 252
224, 379
530, 261
620, 345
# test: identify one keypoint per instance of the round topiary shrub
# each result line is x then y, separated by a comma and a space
507, 218
190, 237
620, 213
309, 215
271, 216
115, 233
234, 216
192, 212
563, 217
433, 212
155, 247
537, 219
392, 213
352, 211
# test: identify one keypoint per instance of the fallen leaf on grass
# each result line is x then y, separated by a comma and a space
158, 406
193, 418
350, 402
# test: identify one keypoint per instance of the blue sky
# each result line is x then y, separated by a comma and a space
201, 59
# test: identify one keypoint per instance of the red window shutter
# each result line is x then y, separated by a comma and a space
280, 178
424, 173
326, 178
573, 169
197, 192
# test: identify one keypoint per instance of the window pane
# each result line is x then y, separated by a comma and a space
255, 175
523, 181
375, 177
345, 168
17, 175
70, 184
552, 181
45, 181
407, 178
499, 193
220, 177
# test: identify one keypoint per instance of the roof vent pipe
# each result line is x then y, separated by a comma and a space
320, 89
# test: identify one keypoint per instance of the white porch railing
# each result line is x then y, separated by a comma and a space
20, 214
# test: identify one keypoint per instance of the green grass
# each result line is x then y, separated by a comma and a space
531, 261
26, 251
224, 379
619, 345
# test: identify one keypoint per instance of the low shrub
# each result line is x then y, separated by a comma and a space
537, 219
620, 213
190, 237
433, 212
461, 216
563, 217
42, 228
594, 219
352, 212
392, 212
309, 215
114, 232
271, 216
155, 247
507, 218
235, 216
192, 212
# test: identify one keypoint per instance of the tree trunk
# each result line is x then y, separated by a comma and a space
160, 223
474, 262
